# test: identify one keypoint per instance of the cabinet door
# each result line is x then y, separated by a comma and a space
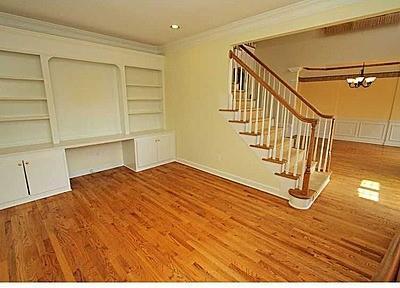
146, 151
166, 147
46, 171
12, 180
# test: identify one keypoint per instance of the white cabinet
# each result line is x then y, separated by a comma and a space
165, 147
153, 150
29, 176
12, 179
46, 171
146, 151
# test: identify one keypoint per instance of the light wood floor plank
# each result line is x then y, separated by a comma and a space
176, 223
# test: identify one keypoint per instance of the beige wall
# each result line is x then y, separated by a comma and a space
313, 48
197, 85
335, 97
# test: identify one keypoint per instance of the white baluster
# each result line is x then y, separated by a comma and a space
305, 153
230, 100
283, 133
276, 130
264, 92
240, 92
304, 140
322, 147
234, 86
299, 124
257, 106
287, 167
328, 145
245, 92
271, 106
251, 106
317, 139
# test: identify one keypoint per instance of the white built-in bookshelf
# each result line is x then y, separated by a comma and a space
145, 98
49, 99
24, 116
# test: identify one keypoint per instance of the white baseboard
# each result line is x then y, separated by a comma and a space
250, 183
358, 140
35, 197
149, 166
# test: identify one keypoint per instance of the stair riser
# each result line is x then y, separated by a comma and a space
261, 153
250, 140
238, 127
246, 116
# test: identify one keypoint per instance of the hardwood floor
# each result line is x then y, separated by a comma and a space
175, 223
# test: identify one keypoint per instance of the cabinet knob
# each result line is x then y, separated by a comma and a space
26, 163
19, 164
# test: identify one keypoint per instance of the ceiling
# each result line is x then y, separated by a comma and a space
145, 21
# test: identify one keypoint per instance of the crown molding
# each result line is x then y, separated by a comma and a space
303, 9
34, 25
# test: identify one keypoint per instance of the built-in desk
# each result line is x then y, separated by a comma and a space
32, 172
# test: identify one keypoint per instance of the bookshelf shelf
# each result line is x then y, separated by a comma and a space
144, 112
145, 99
23, 99
23, 118
21, 78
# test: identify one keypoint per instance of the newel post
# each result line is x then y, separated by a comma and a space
307, 174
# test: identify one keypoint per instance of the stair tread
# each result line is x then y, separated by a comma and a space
264, 146
288, 175
228, 110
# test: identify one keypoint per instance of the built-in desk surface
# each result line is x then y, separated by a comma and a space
83, 142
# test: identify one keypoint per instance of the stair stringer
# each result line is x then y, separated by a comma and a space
284, 183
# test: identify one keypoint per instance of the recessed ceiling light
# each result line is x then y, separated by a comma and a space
175, 26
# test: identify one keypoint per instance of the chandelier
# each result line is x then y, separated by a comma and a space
361, 81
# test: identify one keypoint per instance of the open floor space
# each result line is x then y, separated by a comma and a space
176, 223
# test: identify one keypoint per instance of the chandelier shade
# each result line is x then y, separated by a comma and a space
360, 81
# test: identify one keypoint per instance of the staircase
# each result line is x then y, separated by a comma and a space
290, 136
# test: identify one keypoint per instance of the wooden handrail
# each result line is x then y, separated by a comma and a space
286, 84
271, 90
390, 265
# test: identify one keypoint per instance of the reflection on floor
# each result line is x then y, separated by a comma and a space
175, 223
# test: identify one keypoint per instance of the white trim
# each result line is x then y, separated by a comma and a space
234, 178
256, 25
31, 198
361, 130
34, 25
390, 139
305, 204
149, 166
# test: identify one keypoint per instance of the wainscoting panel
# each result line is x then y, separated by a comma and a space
393, 138
372, 130
346, 128
361, 130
